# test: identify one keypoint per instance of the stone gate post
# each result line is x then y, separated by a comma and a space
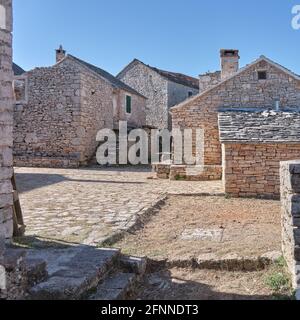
290, 211
6, 127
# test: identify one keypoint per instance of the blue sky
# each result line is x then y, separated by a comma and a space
176, 35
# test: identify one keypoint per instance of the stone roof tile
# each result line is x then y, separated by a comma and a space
259, 126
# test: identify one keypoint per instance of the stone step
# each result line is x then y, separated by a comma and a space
133, 265
73, 272
119, 286
36, 270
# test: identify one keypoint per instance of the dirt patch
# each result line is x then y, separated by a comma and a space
187, 284
208, 228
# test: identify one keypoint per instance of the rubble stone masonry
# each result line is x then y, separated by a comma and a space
6, 125
290, 213
243, 90
67, 105
252, 170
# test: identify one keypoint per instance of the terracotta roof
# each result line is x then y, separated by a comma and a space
171, 76
18, 71
259, 126
104, 74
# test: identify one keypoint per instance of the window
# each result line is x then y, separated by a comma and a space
190, 94
262, 75
128, 104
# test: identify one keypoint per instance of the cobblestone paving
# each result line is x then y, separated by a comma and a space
90, 205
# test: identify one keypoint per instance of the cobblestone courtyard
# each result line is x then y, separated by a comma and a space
91, 205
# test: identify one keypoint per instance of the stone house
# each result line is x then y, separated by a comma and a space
64, 106
163, 90
261, 85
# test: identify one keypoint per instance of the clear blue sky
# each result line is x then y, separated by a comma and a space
176, 35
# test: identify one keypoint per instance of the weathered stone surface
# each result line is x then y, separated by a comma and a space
67, 104
255, 166
117, 287
79, 270
290, 199
161, 93
134, 264
252, 170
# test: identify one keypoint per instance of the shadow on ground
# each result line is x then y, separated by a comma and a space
31, 181
161, 285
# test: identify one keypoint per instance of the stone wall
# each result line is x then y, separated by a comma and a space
6, 126
155, 88
244, 90
96, 113
176, 94
137, 118
48, 125
11, 270
252, 170
66, 106
290, 213
208, 80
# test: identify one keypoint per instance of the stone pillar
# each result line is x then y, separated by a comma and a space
6, 127
290, 198
6, 120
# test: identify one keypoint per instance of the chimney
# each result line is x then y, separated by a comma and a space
60, 54
229, 62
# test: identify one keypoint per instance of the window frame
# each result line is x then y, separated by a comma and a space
128, 97
261, 72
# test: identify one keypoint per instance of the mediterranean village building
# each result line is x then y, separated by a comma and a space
163, 90
250, 117
254, 139
60, 109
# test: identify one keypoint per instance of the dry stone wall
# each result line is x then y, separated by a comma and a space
290, 213
252, 170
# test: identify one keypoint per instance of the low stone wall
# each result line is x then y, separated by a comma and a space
162, 170
45, 162
252, 170
290, 198
195, 173
188, 173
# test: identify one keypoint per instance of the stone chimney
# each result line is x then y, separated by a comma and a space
60, 54
229, 62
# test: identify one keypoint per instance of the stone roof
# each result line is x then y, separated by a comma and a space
176, 77
259, 126
109, 77
18, 71
240, 71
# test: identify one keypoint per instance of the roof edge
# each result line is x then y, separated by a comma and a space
261, 58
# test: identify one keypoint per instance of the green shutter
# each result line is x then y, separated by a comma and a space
128, 104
